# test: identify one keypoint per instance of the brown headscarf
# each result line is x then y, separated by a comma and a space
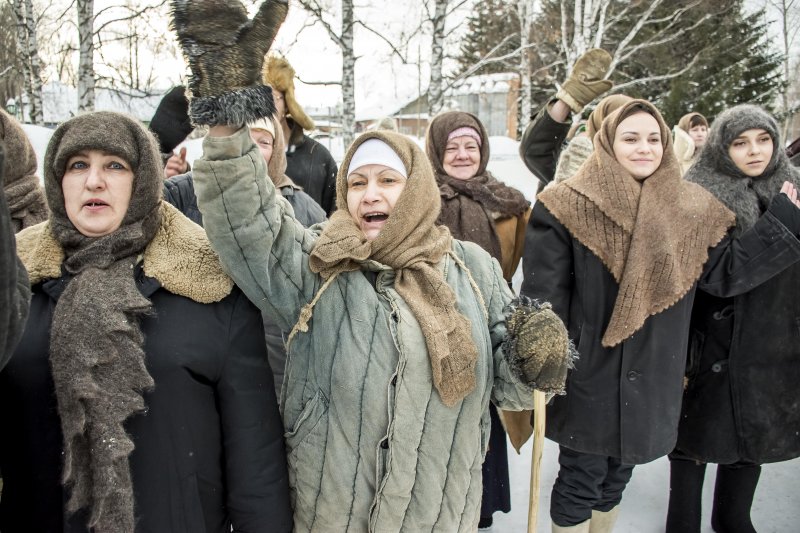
21, 184
96, 345
685, 123
605, 107
413, 245
653, 235
277, 161
468, 205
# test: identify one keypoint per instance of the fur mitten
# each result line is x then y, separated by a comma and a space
586, 82
225, 51
538, 348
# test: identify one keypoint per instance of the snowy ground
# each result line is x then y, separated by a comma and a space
776, 508
777, 503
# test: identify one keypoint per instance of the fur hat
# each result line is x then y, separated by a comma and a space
279, 74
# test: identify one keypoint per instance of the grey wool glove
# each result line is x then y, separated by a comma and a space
586, 82
225, 51
537, 347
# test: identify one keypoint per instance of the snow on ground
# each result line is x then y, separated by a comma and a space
776, 508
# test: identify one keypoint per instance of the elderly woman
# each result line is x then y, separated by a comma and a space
140, 396
689, 137
399, 335
478, 208
741, 406
621, 248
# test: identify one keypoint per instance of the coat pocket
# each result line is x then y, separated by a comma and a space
697, 341
305, 447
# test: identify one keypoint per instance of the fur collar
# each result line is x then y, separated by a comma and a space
179, 257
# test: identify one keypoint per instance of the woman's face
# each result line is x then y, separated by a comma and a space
462, 157
637, 144
751, 151
699, 134
264, 141
97, 191
372, 192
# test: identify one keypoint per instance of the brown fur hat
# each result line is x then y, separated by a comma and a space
279, 74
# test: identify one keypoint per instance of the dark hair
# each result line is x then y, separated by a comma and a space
697, 120
636, 108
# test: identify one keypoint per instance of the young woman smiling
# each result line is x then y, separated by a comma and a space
621, 248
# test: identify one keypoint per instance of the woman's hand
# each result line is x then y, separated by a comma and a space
791, 191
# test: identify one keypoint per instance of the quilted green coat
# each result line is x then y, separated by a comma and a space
371, 447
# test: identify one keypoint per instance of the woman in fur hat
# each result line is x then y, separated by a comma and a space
478, 208
621, 247
309, 163
140, 396
689, 136
741, 406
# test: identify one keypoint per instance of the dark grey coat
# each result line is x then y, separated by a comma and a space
14, 289
742, 401
625, 401
311, 166
541, 144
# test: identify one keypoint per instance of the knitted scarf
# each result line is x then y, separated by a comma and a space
96, 345
24, 195
468, 205
714, 169
653, 235
413, 245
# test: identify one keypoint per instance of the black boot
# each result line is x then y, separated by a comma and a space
733, 498
685, 496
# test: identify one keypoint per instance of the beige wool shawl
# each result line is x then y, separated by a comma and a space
413, 245
652, 235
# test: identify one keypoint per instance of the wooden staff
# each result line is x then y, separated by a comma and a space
536, 462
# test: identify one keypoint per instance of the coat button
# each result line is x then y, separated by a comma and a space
633, 375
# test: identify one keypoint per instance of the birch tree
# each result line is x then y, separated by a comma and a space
342, 36
86, 80
525, 9
28, 49
438, 13
788, 16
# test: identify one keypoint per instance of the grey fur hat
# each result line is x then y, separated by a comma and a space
730, 124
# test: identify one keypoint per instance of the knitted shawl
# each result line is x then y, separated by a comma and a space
652, 235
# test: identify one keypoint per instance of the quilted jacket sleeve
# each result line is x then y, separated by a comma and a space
253, 229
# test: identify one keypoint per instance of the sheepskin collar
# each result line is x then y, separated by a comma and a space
179, 257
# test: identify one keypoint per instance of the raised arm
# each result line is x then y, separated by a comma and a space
771, 245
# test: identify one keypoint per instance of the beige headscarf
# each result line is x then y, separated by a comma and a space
605, 107
413, 245
277, 161
653, 235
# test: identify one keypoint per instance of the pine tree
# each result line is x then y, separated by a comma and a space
491, 23
735, 63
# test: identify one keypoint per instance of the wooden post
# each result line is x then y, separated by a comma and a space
536, 462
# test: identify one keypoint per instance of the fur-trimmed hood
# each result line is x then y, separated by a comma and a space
179, 256
748, 197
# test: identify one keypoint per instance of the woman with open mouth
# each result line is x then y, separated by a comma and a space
140, 397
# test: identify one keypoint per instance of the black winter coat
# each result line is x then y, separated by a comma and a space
209, 450
742, 401
625, 401
541, 145
311, 166
14, 289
